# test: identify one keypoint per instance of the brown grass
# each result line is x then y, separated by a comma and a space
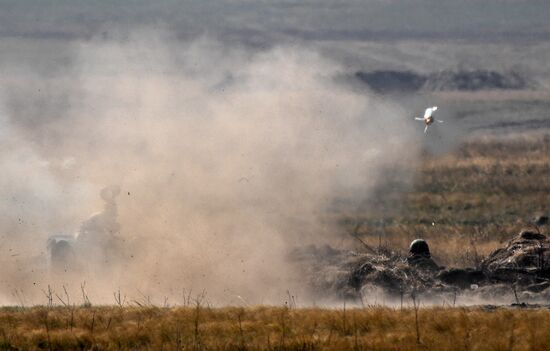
270, 328
465, 203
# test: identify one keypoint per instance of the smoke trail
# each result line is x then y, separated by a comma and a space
226, 158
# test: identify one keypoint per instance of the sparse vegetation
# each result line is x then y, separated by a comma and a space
465, 203
272, 328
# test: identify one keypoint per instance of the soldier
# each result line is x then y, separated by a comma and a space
62, 256
95, 244
420, 257
96, 239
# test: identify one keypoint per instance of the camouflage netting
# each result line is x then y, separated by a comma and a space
525, 261
521, 270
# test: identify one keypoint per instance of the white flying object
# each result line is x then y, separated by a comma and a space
428, 117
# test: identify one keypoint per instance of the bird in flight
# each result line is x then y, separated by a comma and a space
428, 117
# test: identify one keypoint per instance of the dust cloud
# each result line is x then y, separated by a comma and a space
226, 158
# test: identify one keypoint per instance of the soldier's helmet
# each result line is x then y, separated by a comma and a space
419, 247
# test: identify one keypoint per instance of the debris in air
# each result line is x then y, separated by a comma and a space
428, 117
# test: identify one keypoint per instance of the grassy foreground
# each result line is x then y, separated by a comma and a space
271, 328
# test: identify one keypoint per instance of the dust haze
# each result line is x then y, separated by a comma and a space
226, 159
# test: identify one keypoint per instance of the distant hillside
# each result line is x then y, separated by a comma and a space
408, 81
265, 21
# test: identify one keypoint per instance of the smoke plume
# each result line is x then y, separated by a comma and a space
226, 158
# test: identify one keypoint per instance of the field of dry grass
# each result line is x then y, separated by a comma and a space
465, 203
271, 328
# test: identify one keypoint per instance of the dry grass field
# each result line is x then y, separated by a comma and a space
234, 147
465, 203
272, 328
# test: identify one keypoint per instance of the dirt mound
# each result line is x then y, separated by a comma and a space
392, 81
476, 80
448, 80
524, 261
347, 273
521, 267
